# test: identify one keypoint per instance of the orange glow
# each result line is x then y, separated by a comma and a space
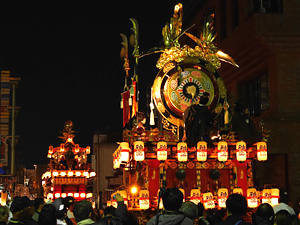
89, 195
76, 148
62, 147
57, 195
70, 194
50, 195
50, 149
63, 173
78, 174
88, 150
86, 174
55, 174
76, 195
82, 195
133, 190
70, 139
70, 174
92, 174
63, 195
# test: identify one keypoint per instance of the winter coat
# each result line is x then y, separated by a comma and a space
170, 219
232, 220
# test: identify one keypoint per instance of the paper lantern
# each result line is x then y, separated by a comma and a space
274, 196
195, 196
50, 149
238, 191
182, 152
266, 196
62, 147
161, 204
208, 200
183, 192
88, 150
241, 154
3, 198
124, 152
162, 152
92, 174
222, 151
222, 197
262, 154
201, 151
252, 198
139, 152
77, 148
144, 199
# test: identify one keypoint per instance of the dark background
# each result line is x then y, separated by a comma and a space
68, 57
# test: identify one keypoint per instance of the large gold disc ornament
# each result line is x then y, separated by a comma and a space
179, 85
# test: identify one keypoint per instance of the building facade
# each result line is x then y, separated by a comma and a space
263, 37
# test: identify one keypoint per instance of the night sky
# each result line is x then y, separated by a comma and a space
68, 58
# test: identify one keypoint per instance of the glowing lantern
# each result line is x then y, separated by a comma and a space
76, 148
57, 195
195, 196
266, 196
274, 196
222, 197
162, 152
252, 198
262, 154
208, 200
70, 174
63, 195
63, 173
82, 195
50, 149
161, 204
76, 195
144, 199
124, 151
86, 174
238, 191
139, 152
78, 174
62, 147
92, 174
50, 196
241, 154
3, 198
89, 195
222, 151
70, 139
182, 152
48, 155
88, 150
183, 192
201, 151
70, 194
108, 203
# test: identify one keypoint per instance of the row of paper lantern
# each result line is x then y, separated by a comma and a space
122, 155
270, 196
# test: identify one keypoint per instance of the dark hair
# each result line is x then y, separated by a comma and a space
38, 202
110, 210
283, 196
264, 211
214, 216
201, 209
295, 219
47, 215
236, 204
172, 199
82, 210
283, 217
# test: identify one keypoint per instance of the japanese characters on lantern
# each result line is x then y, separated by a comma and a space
138, 151
252, 198
222, 151
182, 152
201, 151
208, 200
222, 197
241, 154
262, 154
162, 152
195, 196
144, 199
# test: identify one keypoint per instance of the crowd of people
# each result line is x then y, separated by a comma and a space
65, 211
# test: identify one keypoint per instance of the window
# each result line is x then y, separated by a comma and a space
255, 94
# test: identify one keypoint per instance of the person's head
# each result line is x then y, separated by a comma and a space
214, 216
295, 220
109, 211
283, 196
201, 209
61, 210
236, 204
264, 212
82, 210
172, 199
282, 217
21, 208
189, 209
69, 202
38, 204
47, 215
4, 211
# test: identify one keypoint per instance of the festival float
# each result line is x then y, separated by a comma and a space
197, 139
69, 172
